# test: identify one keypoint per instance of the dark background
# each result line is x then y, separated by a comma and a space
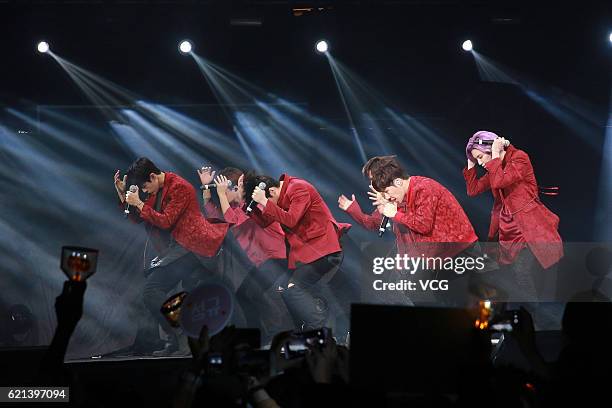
408, 51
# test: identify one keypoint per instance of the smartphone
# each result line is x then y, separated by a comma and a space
506, 321
79, 263
300, 342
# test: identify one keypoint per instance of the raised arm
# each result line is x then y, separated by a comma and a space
371, 221
299, 201
475, 185
517, 168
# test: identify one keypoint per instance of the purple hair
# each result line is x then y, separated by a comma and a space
473, 143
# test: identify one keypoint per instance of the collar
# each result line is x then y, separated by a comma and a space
285, 178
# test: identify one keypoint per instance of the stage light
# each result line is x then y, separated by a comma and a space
185, 47
42, 47
610, 37
467, 45
322, 46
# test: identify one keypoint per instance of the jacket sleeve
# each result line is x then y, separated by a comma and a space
211, 211
260, 219
420, 216
518, 167
475, 185
179, 200
299, 201
371, 222
235, 216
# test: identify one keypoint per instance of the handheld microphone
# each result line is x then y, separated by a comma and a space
133, 189
213, 185
490, 142
383, 226
249, 209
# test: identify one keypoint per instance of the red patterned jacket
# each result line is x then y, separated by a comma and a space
429, 221
180, 213
513, 183
309, 226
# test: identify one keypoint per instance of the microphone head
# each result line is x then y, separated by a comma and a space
133, 188
262, 186
229, 183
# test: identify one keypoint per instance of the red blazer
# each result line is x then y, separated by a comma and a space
180, 213
259, 244
513, 183
310, 228
429, 221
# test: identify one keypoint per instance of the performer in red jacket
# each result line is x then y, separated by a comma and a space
426, 216
261, 257
313, 236
525, 229
182, 237
351, 206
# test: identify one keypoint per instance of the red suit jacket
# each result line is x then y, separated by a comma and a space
429, 221
259, 244
513, 183
310, 228
180, 213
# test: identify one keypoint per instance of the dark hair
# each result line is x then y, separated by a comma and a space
388, 169
140, 171
252, 180
373, 165
232, 174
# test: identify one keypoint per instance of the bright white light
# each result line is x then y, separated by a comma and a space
185, 47
610, 38
467, 45
322, 46
43, 47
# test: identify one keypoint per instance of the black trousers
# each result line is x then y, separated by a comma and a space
160, 281
304, 296
261, 301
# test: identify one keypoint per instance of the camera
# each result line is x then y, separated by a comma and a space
505, 321
300, 342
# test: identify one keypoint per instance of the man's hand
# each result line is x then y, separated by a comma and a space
470, 164
69, 305
222, 183
259, 196
378, 200
133, 199
199, 347
388, 209
278, 361
120, 184
206, 175
321, 362
344, 203
498, 147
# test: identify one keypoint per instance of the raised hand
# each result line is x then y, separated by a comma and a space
259, 196
206, 174
222, 183
69, 305
132, 198
321, 362
377, 198
120, 183
344, 203
498, 147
